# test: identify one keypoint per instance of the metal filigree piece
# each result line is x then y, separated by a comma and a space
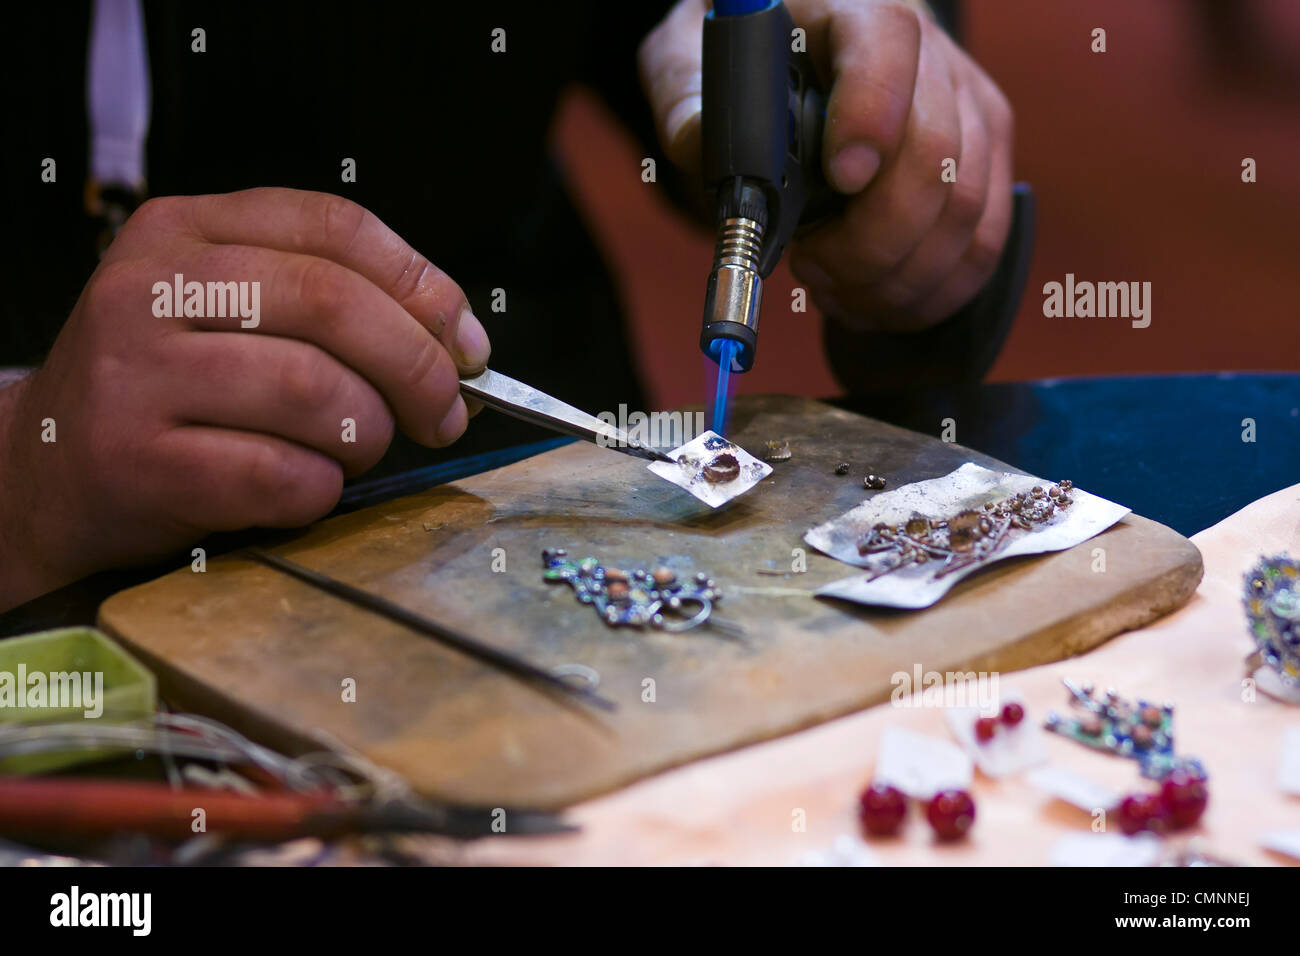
657, 598
916, 541
1140, 730
968, 537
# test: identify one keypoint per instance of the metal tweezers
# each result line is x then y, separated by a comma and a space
513, 397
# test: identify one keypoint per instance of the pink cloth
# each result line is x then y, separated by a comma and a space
738, 808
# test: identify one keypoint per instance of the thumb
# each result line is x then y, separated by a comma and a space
671, 63
873, 52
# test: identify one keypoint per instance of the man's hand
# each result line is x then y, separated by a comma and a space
909, 249
166, 429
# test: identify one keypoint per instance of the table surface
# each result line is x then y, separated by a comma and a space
741, 808
1169, 447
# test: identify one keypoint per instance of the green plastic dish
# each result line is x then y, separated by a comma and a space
129, 691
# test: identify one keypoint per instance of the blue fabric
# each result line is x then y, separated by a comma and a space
1170, 447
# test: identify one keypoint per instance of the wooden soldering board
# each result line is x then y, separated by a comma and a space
270, 655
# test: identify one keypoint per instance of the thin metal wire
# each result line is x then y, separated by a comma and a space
503, 660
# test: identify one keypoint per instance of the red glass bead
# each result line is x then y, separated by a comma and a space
881, 810
1184, 797
951, 813
1012, 714
985, 728
1141, 811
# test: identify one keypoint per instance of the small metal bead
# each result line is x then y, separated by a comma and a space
842, 468
873, 482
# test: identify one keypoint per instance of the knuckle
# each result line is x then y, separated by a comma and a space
1001, 116
418, 278
269, 475
305, 381
966, 204
375, 433
983, 254
155, 212
335, 221
430, 367
875, 252
321, 287
933, 145
299, 489
898, 291
904, 18
113, 286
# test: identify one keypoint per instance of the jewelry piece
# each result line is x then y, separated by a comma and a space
842, 468
1141, 731
874, 483
951, 813
721, 468
987, 727
1272, 603
778, 451
639, 598
966, 538
712, 469
1180, 803
882, 810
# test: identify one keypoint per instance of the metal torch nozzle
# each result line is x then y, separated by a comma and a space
735, 291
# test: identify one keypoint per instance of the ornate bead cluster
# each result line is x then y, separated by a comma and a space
637, 598
966, 538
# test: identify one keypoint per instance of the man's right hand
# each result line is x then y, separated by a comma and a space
166, 429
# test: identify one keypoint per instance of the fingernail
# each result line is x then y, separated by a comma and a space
454, 422
853, 166
472, 346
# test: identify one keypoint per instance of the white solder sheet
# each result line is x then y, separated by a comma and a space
969, 487
688, 469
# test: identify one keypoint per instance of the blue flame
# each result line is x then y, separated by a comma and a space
727, 350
